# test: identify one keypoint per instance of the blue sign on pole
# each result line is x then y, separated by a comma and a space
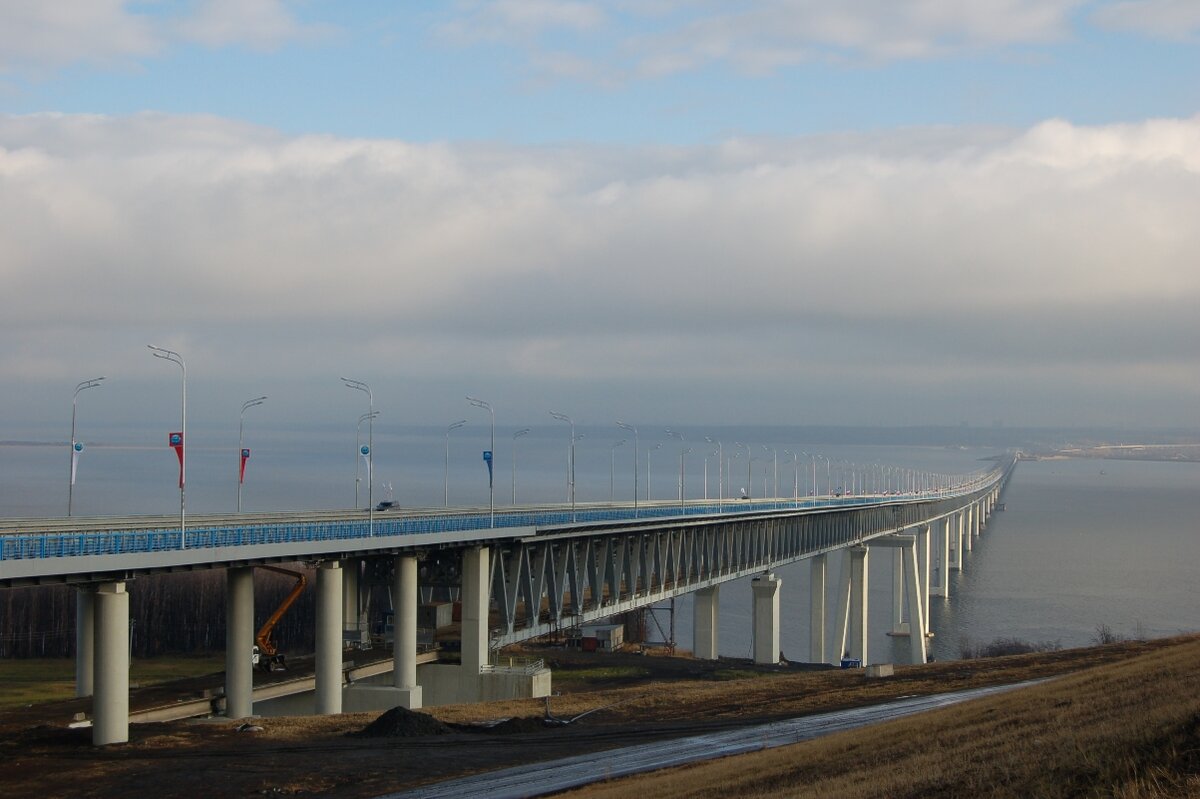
365, 450
487, 458
78, 446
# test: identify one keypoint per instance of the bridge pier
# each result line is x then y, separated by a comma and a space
852, 604
899, 625
351, 568
923, 571
908, 590
85, 639
942, 588
110, 701
705, 618
239, 642
475, 582
959, 529
766, 619
817, 567
404, 690
329, 638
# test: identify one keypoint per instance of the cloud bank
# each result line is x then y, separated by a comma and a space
1043, 276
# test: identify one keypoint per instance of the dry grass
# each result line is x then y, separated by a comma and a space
1130, 729
33, 680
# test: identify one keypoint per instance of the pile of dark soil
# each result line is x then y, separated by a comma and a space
400, 722
514, 725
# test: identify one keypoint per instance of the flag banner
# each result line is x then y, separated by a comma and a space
175, 441
76, 448
365, 451
487, 457
245, 457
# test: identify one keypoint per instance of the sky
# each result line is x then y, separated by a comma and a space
870, 212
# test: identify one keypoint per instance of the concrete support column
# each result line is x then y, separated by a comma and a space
916, 609
239, 642
85, 639
978, 519
858, 603
942, 586
766, 618
961, 517
899, 626
329, 638
816, 608
110, 702
350, 604
705, 619
404, 624
475, 573
969, 537
923, 571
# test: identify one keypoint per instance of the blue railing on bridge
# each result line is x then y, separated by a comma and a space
23, 546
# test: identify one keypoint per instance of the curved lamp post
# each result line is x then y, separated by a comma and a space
488, 456
562, 417
446, 470
749, 469
359, 385
612, 470
775, 453
720, 472
683, 450
357, 451
76, 447
648, 451
524, 431
633, 430
241, 446
176, 358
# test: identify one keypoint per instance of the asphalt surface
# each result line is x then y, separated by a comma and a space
540, 779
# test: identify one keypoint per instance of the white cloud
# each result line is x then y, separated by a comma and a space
626, 39
1057, 250
48, 35
1167, 19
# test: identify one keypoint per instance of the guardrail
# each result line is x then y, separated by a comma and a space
25, 546
514, 665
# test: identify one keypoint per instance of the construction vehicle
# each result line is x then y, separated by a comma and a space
266, 653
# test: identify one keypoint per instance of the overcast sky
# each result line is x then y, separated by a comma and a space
868, 212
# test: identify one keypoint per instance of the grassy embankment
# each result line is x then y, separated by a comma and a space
1129, 729
24, 682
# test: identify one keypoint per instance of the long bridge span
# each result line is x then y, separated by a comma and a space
519, 574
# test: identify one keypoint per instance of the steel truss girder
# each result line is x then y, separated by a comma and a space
563, 578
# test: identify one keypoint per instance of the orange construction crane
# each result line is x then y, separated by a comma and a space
266, 654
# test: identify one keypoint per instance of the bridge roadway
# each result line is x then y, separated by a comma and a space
537, 570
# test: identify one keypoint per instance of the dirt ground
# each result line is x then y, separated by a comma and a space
631, 699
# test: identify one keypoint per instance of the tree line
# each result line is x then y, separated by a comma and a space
168, 614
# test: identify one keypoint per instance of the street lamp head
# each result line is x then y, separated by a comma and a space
562, 417
478, 403
522, 432
628, 427
618, 443
455, 425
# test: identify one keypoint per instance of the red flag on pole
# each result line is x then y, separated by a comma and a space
175, 441
245, 457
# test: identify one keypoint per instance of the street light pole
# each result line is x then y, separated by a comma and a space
633, 430
720, 471
562, 417
523, 431
446, 471
682, 451
612, 470
795, 474
76, 448
648, 451
357, 452
359, 385
176, 358
241, 445
775, 454
749, 469
478, 403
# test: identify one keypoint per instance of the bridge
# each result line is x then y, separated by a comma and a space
518, 574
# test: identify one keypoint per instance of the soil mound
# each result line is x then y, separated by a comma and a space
517, 725
400, 722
